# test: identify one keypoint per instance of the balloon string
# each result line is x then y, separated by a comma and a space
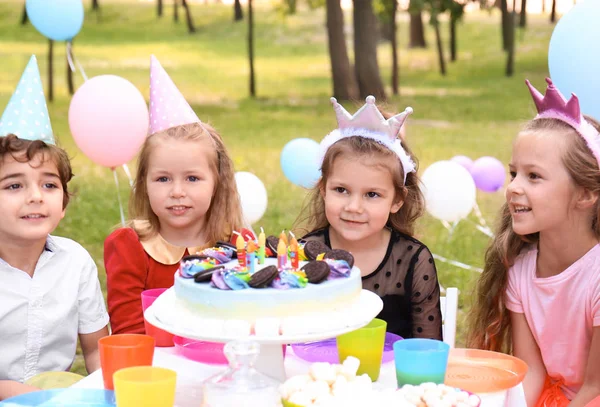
456, 263
480, 217
119, 198
73, 61
128, 173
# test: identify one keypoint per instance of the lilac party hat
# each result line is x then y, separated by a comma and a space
168, 107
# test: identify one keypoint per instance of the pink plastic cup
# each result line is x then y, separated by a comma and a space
162, 338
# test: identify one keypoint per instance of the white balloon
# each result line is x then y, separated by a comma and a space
449, 191
253, 196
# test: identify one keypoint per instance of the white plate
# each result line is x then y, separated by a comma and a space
370, 305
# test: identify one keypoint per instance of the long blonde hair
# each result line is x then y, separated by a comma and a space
225, 212
489, 320
366, 149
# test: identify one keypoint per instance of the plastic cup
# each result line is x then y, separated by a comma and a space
420, 361
145, 386
122, 351
365, 344
162, 338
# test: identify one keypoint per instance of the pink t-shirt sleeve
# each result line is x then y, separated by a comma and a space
596, 306
513, 297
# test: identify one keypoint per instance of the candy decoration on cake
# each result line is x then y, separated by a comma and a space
261, 246
218, 265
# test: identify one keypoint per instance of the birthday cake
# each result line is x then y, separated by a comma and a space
264, 289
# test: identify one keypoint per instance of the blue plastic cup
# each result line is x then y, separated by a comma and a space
420, 361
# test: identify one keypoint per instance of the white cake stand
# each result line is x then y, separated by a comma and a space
270, 359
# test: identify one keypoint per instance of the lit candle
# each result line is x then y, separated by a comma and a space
251, 256
261, 246
281, 254
294, 252
240, 245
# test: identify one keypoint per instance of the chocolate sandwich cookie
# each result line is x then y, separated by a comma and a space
339, 254
206, 275
263, 277
191, 257
316, 271
226, 244
313, 248
271, 243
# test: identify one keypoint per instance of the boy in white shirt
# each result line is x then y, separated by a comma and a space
49, 289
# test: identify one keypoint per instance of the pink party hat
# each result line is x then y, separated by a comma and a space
553, 105
168, 107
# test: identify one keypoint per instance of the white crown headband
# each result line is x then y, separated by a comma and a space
368, 122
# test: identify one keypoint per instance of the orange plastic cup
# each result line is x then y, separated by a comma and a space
121, 351
145, 386
162, 338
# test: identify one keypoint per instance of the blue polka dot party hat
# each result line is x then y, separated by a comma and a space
26, 114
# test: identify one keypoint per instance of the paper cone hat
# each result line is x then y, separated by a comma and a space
168, 107
26, 114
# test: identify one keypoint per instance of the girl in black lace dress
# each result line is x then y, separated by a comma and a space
367, 202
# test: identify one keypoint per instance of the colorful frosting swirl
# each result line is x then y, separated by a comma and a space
339, 268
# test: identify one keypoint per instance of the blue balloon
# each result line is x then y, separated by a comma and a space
573, 57
59, 20
299, 162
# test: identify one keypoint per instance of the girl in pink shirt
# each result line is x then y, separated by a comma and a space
539, 294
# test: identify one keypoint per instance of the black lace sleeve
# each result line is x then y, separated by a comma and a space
425, 302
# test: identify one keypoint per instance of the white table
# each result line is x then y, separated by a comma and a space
191, 374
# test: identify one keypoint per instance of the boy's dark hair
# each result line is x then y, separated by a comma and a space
24, 151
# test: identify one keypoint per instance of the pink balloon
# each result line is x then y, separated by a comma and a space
109, 120
463, 160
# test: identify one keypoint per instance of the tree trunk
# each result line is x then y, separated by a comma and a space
543, 6
188, 17
251, 49
24, 17
510, 55
238, 13
176, 11
159, 8
553, 12
365, 50
417, 31
95, 5
505, 23
344, 81
523, 15
50, 69
452, 38
395, 67
440, 48
70, 84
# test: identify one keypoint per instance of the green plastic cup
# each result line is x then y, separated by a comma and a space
365, 344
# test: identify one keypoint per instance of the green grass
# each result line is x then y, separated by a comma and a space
475, 110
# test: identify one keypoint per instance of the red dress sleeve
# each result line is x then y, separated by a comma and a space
127, 269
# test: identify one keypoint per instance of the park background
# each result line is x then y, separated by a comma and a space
475, 109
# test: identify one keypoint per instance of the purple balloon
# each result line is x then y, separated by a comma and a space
463, 160
488, 173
